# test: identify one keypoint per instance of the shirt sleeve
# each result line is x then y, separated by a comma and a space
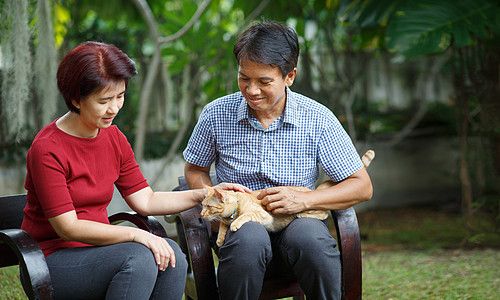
201, 149
337, 154
48, 177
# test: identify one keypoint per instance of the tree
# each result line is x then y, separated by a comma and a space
469, 32
154, 68
16, 74
26, 75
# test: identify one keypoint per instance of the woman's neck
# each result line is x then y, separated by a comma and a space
71, 124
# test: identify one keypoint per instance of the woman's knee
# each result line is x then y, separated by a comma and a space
181, 263
139, 258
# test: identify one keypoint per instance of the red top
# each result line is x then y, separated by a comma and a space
68, 173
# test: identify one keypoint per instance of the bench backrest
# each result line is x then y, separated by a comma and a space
11, 211
11, 217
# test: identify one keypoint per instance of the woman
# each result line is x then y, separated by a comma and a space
72, 166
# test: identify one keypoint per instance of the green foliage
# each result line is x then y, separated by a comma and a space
367, 13
470, 29
425, 27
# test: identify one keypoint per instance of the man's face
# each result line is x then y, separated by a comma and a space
263, 87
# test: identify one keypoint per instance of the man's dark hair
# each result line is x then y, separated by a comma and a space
269, 43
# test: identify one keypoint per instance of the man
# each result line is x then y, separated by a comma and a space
268, 137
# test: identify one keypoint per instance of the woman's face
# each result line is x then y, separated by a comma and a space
263, 87
99, 109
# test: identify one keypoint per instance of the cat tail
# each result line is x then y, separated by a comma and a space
368, 157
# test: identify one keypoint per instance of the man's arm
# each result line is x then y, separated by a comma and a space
197, 177
344, 194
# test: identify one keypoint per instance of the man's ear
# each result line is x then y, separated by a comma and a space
290, 77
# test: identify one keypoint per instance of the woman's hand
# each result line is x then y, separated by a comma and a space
233, 187
163, 253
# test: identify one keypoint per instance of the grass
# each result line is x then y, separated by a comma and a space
411, 253
10, 286
419, 253
431, 274
417, 228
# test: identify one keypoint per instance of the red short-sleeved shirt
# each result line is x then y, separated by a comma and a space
70, 173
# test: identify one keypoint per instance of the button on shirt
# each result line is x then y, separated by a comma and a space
288, 153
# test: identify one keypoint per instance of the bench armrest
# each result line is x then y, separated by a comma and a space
195, 243
148, 223
348, 239
16, 245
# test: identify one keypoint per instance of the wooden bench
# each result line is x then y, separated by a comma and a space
17, 247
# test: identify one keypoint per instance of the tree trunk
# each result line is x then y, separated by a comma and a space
153, 69
462, 114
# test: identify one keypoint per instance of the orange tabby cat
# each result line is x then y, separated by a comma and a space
234, 209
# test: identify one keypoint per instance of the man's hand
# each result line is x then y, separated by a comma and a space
233, 187
283, 200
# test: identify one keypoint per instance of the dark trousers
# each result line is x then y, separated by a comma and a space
120, 271
305, 249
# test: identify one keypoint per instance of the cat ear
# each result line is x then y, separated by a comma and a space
210, 190
220, 194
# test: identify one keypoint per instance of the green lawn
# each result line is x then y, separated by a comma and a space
432, 274
10, 286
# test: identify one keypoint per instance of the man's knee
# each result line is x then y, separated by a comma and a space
249, 243
307, 238
308, 231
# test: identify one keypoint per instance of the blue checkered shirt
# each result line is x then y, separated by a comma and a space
289, 152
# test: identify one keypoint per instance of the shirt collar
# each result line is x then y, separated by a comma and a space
290, 114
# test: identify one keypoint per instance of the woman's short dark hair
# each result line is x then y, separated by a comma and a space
89, 68
269, 43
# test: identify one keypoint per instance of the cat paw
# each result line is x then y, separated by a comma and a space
235, 226
219, 242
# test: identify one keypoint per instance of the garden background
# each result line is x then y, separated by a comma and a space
416, 81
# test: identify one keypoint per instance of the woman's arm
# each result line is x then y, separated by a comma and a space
146, 202
70, 228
